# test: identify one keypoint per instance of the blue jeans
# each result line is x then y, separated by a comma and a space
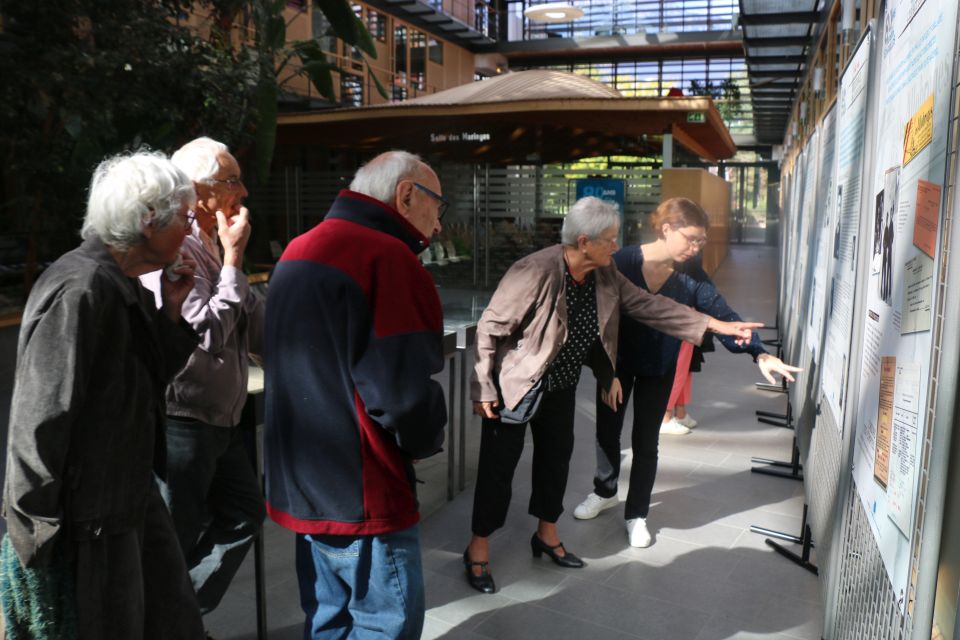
361, 587
215, 501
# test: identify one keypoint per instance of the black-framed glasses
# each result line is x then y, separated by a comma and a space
444, 203
190, 217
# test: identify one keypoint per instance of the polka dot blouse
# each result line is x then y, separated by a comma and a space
582, 331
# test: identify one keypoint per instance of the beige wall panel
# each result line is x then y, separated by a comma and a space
713, 194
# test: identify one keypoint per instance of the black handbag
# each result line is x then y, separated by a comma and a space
527, 406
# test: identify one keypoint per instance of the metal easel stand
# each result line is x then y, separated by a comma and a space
251, 420
784, 420
792, 470
805, 540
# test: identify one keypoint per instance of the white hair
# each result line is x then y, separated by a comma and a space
129, 191
198, 158
588, 217
379, 177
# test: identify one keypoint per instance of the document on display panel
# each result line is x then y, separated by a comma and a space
826, 234
851, 125
913, 90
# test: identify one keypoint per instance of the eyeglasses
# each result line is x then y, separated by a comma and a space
699, 243
188, 217
444, 203
607, 241
232, 182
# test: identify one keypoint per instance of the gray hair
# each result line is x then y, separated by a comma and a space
198, 158
379, 177
129, 191
589, 217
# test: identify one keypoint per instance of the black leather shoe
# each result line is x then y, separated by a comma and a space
568, 560
484, 581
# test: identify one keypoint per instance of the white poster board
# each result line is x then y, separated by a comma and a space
916, 47
826, 229
851, 125
801, 253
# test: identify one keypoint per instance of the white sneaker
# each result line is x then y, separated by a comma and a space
592, 506
637, 533
686, 421
673, 428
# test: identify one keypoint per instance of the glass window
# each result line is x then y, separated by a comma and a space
323, 32
351, 90
377, 25
724, 79
400, 49
399, 89
418, 60
436, 51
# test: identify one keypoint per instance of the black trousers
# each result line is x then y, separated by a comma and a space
500, 449
650, 397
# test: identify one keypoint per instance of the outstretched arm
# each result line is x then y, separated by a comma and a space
771, 364
743, 331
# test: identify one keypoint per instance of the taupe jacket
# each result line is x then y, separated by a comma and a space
522, 329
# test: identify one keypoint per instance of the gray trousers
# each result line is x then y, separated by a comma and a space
134, 585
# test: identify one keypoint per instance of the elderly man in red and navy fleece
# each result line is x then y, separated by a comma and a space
353, 331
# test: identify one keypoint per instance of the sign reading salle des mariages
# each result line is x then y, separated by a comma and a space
462, 136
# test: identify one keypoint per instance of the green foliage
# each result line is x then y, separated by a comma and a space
726, 93
88, 78
83, 79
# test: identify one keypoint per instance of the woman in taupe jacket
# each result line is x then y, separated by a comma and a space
552, 312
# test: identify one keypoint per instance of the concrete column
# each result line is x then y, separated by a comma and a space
667, 150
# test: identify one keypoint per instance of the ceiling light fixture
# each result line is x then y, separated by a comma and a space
553, 12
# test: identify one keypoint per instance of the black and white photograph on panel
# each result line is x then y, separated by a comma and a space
836, 223
877, 234
891, 181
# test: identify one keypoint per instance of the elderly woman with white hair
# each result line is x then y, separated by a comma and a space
86, 425
552, 312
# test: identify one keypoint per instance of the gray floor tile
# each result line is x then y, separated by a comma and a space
721, 627
629, 612
534, 622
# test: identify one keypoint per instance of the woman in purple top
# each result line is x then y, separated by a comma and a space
646, 359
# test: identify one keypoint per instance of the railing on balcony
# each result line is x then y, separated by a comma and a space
356, 86
615, 17
479, 15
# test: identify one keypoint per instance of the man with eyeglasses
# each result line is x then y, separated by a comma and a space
211, 487
353, 336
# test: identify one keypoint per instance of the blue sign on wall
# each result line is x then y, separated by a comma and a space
608, 190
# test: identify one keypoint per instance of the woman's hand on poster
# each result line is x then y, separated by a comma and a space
771, 364
613, 396
485, 408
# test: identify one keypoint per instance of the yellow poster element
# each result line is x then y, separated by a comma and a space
881, 459
919, 131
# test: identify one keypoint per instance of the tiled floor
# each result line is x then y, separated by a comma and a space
706, 577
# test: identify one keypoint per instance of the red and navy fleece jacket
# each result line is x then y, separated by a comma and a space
352, 338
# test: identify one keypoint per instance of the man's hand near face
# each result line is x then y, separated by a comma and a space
234, 233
